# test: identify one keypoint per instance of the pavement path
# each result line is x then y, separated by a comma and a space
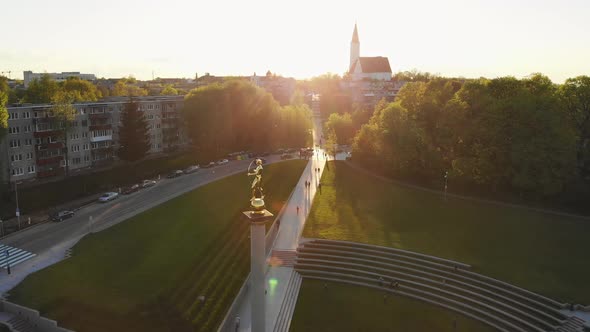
292, 224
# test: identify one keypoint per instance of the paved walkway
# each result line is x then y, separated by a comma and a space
292, 223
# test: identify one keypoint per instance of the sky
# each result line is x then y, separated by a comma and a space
301, 39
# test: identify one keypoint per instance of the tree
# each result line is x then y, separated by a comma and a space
127, 87
41, 91
80, 90
64, 114
169, 90
341, 127
3, 115
134, 137
575, 96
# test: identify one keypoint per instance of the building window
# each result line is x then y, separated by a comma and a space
31, 169
52, 139
29, 141
14, 130
76, 161
18, 171
14, 143
29, 155
75, 148
74, 136
16, 157
87, 158
26, 115
12, 116
86, 146
27, 128
158, 126
84, 134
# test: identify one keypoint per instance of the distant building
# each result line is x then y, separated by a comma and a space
374, 68
34, 148
29, 76
281, 88
369, 79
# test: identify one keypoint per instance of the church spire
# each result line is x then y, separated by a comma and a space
355, 35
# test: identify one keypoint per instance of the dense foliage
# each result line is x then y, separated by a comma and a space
238, 116
528, 137
45, 90
134, 137
3, 112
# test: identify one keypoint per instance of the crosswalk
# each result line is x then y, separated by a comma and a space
15, 256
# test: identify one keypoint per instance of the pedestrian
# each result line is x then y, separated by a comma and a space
325, 285
320, 187
237, 323
278, 223
381, 281
456, 268
297, 209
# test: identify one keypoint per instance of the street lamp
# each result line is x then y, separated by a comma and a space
2, 227
446, 183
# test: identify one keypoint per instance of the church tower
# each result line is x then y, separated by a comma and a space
355, 47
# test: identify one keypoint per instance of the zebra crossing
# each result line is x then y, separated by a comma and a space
15, 256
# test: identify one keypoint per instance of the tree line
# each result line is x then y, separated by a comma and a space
529, 138
238, 116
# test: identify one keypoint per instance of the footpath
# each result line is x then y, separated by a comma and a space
282, 287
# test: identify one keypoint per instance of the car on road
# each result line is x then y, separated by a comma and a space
209, 165
191, 169
130, 189
175, 174
222, 162
286, 156
61, 215
107, 197
148, 183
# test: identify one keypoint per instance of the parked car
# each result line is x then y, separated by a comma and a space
191, 169
175, 174
286, 156
222, 162
209, 165
106, 197
61, 215
148, 183
130, 189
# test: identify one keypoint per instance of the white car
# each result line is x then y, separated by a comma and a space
191, 169
106, 197
222, 162
148, 183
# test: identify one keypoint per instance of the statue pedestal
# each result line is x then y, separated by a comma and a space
257, 221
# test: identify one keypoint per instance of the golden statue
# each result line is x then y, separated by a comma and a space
257, 200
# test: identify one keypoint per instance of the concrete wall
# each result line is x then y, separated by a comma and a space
32, 317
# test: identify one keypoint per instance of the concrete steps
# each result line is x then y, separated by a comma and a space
283, 321
283, 258
434, 280
20, 325
573, 324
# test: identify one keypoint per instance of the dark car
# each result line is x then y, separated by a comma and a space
175, 174
62, 215
130, 189
209, 165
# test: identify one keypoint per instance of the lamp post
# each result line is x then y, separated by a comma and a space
2, 227
446, 183
17, 209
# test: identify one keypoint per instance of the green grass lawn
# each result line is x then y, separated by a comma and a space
146, 273
342, 308
541, 252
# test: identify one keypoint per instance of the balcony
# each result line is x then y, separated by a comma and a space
45, 146
46, 133
50, 160
107, 126
102, 150
98, 116
50, 173
101, 138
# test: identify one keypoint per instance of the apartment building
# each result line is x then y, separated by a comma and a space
35, 147
29, 76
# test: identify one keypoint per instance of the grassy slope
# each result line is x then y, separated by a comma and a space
366, 310
125, 277
541, 252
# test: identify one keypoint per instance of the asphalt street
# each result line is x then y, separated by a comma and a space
98, 216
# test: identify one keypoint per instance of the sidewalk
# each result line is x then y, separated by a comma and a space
292, 223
